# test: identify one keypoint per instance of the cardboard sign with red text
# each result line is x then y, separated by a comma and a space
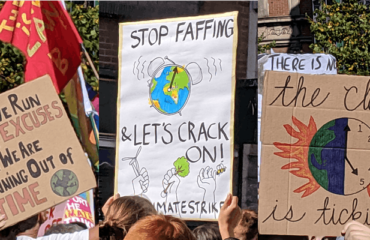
315, 172
41, 160
55, 216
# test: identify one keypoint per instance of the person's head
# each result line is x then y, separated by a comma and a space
65, 228
208, 231
32, 223
160, 227
247, 229
122, 214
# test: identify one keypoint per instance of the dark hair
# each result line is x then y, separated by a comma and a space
64, 228
10, 233
122, 214
82, 225
107, 232
209, 231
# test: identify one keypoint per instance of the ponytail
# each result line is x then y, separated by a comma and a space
107, 232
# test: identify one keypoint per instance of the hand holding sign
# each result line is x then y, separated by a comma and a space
2, 221
229, 216
108, 203
356, 231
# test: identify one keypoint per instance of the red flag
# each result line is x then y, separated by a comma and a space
46, 35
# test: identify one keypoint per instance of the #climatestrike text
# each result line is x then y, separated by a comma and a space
188, 207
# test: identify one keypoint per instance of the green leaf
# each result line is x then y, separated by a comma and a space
182, 166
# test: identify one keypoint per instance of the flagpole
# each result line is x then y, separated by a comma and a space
91, 63
89, 112
84, 49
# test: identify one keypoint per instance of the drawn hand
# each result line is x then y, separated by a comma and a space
356, 231
170, 182
207, 179
141, 182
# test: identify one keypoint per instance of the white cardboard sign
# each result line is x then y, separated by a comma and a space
176, 113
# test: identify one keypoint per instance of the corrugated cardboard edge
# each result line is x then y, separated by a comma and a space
44, 78
233, 87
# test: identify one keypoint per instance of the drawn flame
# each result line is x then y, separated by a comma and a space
299, 151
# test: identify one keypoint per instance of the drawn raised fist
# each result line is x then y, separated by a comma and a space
170, 183
207, 179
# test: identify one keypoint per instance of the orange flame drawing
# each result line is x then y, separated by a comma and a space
299, 151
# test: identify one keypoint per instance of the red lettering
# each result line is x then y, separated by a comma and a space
2, 210
39, 112
11, 204
23, 117
35, 120
47, 227
51, 213
57, 221
17, 127
53, 105
48, 114
35, 193
23, 200
4, 133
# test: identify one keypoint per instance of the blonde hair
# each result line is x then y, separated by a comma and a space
122, 214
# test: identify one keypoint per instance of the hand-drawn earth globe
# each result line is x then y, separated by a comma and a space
332, 160
64, 183
169, 89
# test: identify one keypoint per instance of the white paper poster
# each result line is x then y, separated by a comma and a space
175, 113
284, 62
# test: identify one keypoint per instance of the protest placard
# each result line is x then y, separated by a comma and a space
55, 216
317, 63
176, 113
315, 172
41, 161
78, 209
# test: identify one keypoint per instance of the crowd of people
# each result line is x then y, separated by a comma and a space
135, 218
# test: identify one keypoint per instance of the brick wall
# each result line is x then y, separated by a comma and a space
306, 7
108, 44
278, 8
243, 9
